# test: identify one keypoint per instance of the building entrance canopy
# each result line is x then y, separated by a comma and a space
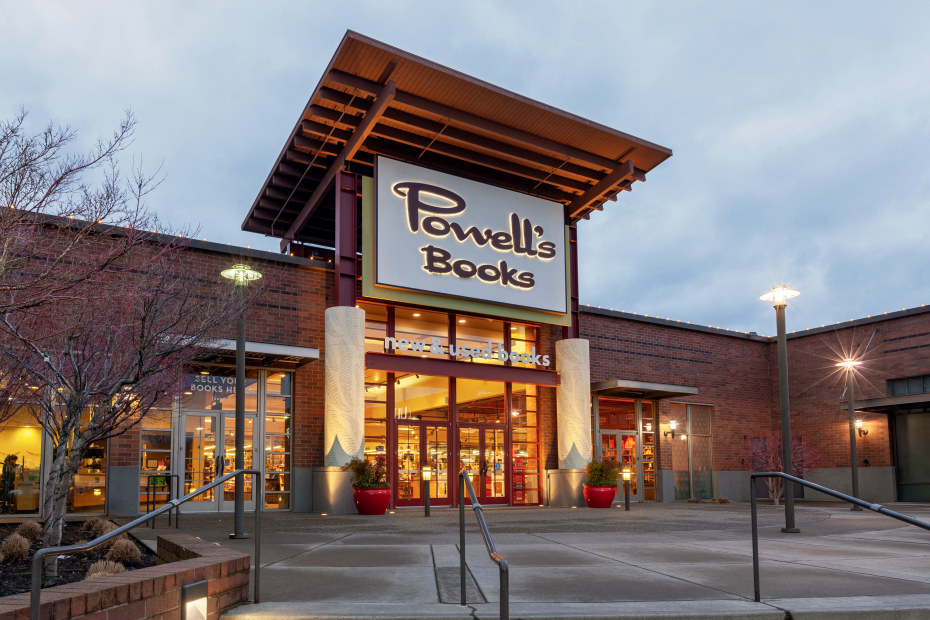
640, 389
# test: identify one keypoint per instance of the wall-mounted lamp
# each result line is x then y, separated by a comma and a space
672, 425
194, 601
862, 431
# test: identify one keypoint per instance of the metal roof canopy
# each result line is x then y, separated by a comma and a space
622, 388
913, 403
261, 354
374, 99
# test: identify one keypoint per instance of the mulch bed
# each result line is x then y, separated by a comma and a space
16, 577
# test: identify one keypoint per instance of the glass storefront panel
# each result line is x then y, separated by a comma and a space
277, 445
437, 457
229, 435
408, 462
421, 397
617, 414
155, 459
375, 327
420, 325
215, 390
474, 335
200, 458
89, 486
481, 401
21, 450
523, 341
702, 465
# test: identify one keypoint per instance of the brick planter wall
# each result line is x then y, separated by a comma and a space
153, 592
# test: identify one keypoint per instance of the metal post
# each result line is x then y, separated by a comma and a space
755, 539
239, 518
462, 533
259, 505
626, 495
505, 590
785, 419
853, 456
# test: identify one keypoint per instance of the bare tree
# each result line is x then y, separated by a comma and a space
44, 181
767, 456
90, 366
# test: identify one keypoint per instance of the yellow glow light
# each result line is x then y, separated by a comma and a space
849, 364
779, 295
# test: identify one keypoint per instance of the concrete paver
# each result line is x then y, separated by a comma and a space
656, 561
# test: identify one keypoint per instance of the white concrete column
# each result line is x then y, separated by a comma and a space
574, 403
344, 418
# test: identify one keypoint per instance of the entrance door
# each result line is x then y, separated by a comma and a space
420, 445
208, 448
621, 446
483, 451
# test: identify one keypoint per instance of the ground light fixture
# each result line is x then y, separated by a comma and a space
627, 476
850, 365
672, 425
194, 601
240, 275
427, 476
779, 296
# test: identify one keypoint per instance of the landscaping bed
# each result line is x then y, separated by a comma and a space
16, 576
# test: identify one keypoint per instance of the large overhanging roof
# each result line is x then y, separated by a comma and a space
375, 99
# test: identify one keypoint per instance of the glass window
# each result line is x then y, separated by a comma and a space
376, 415
481, 401
278, 397
523, 341
617, 414
525, 444
21, 451
479, 339
421, 397
376, 318
416, 326
155, 456
215, 390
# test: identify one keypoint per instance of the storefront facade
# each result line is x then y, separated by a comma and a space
424, 312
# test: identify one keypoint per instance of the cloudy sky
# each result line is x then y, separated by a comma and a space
801, 130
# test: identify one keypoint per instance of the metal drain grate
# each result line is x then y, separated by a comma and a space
450, 589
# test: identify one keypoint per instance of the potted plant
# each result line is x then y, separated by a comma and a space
600, 484
371, 490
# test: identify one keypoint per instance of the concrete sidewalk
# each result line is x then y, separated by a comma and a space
672, 560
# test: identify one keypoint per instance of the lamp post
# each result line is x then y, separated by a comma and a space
779, 296
241, 275
627, 474
427, 476
850, 366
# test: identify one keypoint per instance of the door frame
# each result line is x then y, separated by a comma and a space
422, 425
638, 470
482, 449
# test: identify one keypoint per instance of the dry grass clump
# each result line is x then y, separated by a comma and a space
15, 548
104, 568
718, 500
30, 530
695, 500
124, 551
95, 527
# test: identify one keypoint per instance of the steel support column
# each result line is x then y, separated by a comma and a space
573, 330
348, 188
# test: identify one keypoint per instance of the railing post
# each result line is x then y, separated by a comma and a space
505, 590
755, 539
259, 487
462, 533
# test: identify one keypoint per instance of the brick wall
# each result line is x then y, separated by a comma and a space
153, 592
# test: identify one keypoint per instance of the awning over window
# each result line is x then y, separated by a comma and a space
263, 354
913, 403
623, 388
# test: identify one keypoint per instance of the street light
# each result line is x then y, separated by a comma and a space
850, 366
779, 296
241, 275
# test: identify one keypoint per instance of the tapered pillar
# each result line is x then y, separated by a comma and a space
573, 412
344, 418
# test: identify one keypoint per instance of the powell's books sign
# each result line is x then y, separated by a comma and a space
443, 235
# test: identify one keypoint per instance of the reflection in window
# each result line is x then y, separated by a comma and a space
155, 452
479, 339
215, 390
278, 398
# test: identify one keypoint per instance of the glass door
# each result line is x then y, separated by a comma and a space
420, 445
622, 447
227, 502
482, 452
198, 452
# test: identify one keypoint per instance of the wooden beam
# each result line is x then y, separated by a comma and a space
622, 172
384, 99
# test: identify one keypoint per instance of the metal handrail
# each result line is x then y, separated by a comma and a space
151, 496
38, 564
464, 482
816, 487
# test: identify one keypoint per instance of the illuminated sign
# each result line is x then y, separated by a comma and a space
441, 234
493, 350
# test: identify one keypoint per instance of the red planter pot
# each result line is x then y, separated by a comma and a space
371, 500
599, 497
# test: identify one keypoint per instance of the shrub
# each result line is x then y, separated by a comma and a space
104, 568
718, 500
602, 473
15, 548
124, 551
30, 530
367, 473
96, 527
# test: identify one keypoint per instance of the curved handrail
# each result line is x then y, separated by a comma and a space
37, 563
465, 482
816, 487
